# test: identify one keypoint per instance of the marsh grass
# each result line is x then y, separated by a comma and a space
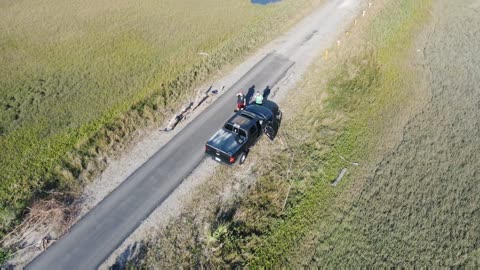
79, 77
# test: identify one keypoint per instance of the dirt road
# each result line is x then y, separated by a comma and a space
104, 228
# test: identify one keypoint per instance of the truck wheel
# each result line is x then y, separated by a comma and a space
279, 115
243, 157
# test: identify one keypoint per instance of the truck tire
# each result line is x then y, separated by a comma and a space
242, 158
279, 115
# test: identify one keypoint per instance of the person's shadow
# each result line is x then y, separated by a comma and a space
250, 93
266, 92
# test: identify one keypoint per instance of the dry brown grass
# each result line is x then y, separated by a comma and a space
35, 231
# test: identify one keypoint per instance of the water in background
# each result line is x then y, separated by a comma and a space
264, 2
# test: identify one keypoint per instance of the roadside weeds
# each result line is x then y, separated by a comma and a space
96, 145
332, 124
72, 159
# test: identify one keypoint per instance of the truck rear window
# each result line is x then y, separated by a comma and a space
235, 130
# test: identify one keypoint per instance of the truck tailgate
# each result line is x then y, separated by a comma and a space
217, 154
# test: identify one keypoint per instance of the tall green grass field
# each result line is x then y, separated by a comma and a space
78, 76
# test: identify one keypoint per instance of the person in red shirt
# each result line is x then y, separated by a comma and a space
241, 101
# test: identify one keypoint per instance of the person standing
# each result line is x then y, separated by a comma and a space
258, 98
241, 101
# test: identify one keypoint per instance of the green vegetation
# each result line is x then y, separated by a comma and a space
4, 255
294, 190
293, 211
420, 208
363, 93
77, 77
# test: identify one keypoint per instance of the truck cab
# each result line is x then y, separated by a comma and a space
234, 140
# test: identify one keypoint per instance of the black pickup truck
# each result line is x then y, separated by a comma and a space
232, 143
